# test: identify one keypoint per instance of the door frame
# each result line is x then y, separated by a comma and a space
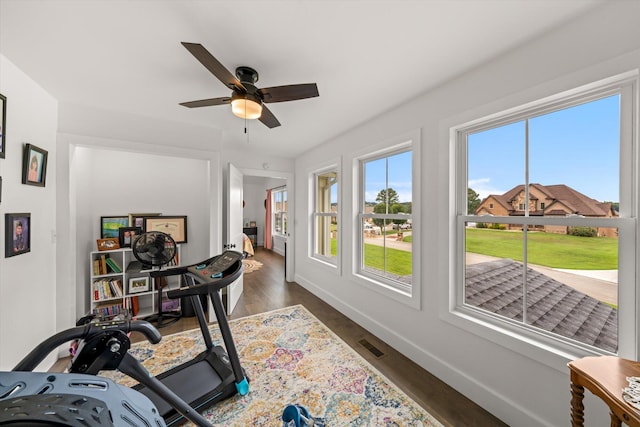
288, 176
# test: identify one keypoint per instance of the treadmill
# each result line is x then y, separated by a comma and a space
214, 374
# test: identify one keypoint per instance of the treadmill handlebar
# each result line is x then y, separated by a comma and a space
205, 288
42, 350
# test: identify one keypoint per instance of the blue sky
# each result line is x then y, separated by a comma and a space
577, 146
399, 176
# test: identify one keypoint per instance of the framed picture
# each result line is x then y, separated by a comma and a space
175, 226
138, 284
108, 244
3, 124
137, 219
34, 165
17, 232
252, 224
127, 234
109, 225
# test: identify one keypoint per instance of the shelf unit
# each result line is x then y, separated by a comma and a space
109, 279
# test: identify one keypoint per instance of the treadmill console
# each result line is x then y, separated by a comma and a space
215, 268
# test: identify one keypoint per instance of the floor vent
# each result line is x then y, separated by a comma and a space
375, 351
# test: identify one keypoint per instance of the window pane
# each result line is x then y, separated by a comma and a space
495, 165
375, 183
326, 192
326, 237
577, 150
494, 274
399, 181
277, 224
572, 285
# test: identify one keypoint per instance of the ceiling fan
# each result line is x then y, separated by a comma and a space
246, 99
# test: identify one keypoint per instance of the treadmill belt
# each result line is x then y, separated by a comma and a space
190, 383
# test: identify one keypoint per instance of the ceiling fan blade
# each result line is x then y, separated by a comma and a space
214, 66
268, 118
288, 92
207, 102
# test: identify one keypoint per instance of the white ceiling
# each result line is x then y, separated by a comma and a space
365, 56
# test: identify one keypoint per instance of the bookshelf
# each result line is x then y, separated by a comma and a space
118, 285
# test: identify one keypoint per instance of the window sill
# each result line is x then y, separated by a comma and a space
552, 352
409, 299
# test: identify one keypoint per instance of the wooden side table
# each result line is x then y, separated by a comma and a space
604, 376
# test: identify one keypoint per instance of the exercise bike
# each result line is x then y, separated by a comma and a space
82, 399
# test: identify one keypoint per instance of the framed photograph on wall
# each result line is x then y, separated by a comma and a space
137, 219
175, 226
109, 225
3, 124
17, 232
127, 234
34, 165
138, 284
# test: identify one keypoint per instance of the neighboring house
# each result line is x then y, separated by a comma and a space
547, 200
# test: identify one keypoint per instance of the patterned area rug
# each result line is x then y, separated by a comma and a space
251, 265
290, 357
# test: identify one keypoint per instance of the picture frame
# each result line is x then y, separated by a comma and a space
109, 225
34, 165
127, 234
108, 244
175, 226
138, 284
3, 124
137, 219
252, 223
17, 234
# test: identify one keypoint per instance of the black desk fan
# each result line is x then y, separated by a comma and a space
156, 249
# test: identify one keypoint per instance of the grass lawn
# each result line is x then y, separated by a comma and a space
547, 249
398, 262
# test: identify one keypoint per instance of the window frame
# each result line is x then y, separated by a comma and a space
517, 335
315, 214
409, 141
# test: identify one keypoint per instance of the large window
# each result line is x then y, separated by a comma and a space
325, 215
279, 208
385, 219
546, 233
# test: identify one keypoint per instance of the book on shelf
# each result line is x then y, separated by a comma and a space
113, 265
96, 267
103, 264
107, 289
108, 310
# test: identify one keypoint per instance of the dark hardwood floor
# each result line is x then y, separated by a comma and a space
266, 289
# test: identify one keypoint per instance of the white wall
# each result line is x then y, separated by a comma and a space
530, 389
27, 281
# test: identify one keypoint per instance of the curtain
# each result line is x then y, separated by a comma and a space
268, 244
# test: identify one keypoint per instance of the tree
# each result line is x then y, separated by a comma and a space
473, 201
391, 193
393, 209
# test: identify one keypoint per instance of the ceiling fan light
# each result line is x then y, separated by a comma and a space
246, 108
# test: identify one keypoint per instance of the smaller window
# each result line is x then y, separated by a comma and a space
325, 216
541, 205
490, 205
279, 208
